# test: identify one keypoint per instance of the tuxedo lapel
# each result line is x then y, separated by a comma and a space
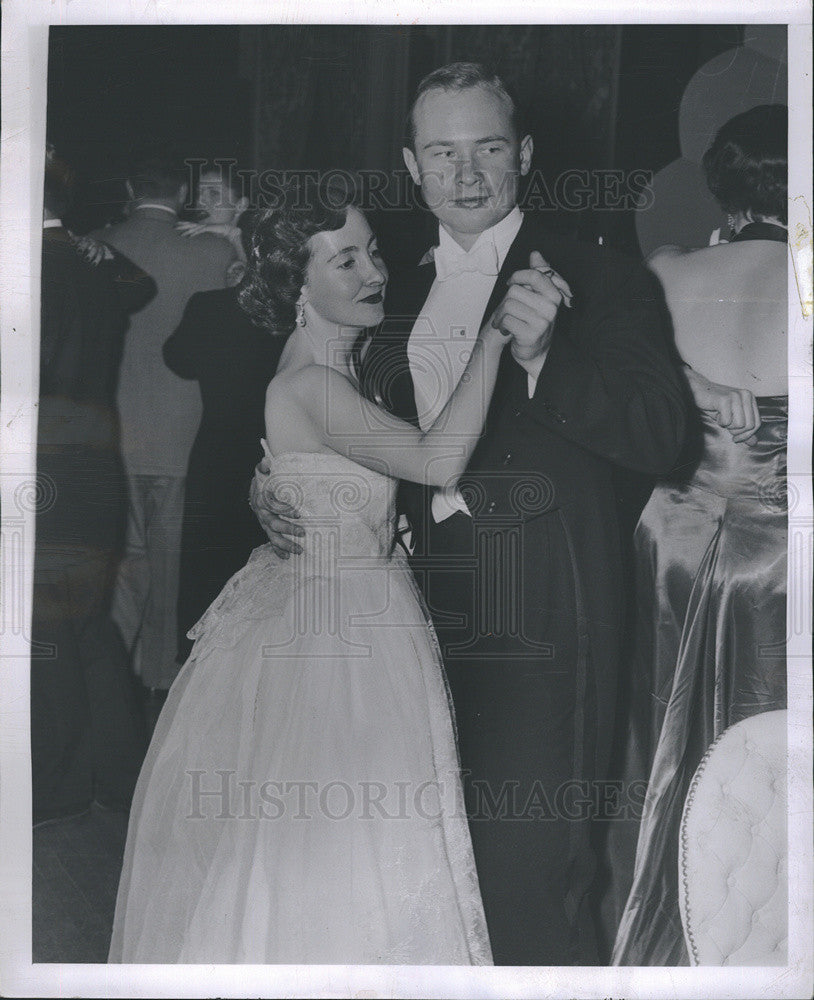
407, 293
516, 259
386, 376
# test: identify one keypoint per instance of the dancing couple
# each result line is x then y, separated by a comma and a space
335, 775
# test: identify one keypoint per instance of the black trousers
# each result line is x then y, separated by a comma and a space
87, 731
533, 687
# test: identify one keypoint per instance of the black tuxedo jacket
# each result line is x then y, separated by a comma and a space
610, 393
83, 324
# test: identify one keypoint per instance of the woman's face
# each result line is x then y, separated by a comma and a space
218, 201
346, 276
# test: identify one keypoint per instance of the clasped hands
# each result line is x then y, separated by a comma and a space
529, 309
526, 314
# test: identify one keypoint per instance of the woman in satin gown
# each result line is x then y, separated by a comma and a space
301, 798
711, 542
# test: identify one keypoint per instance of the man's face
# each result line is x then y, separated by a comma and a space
217, 200
467, 159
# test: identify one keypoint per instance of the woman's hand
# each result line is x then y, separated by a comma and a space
492, 335
216, 228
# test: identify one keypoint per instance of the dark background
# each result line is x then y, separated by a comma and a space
320, 96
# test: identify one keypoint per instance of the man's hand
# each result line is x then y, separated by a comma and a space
528, 311
734, 409
275, 516
94, 251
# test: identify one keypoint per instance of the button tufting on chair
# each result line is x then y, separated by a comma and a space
733, 848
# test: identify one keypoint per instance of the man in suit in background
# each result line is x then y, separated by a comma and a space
87, 732
521, 564
160, 412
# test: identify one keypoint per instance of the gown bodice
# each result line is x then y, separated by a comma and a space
339, 501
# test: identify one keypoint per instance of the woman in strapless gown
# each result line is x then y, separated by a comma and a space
301, 798
711, 543
298, 802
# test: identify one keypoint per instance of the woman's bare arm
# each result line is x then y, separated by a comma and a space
329, 411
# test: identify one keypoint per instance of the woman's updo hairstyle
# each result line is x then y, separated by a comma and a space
278, 256
747, 164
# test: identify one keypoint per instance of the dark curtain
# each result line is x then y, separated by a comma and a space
328, 97
324, 91
334, 97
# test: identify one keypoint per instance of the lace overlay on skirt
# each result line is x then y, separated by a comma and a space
301, 799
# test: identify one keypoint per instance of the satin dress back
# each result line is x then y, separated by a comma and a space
711, 645
301, 799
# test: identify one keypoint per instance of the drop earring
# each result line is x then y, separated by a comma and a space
300, 314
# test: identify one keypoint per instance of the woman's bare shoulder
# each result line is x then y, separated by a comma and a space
289, 415
283, 390
666, 251
306, 386
679, 266
667, 256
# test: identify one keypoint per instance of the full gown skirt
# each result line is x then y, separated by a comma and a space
301, 798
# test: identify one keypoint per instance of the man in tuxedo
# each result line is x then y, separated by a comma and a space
521, 564
87, 733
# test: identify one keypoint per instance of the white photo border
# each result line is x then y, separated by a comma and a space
24, 60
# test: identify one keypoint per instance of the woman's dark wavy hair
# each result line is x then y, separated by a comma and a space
278, 256
747, 164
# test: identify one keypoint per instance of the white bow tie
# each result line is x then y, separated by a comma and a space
481, 260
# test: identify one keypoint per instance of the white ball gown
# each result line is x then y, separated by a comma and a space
300, 801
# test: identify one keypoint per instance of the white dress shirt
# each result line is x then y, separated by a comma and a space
442, 337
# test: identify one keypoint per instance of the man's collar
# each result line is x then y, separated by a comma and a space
52, 224
154, 205
502, 233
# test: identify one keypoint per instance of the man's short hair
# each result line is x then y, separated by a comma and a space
463, 76
154, 175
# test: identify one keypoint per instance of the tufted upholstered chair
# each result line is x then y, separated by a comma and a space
733, 849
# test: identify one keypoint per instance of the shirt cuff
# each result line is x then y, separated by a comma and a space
533, 369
